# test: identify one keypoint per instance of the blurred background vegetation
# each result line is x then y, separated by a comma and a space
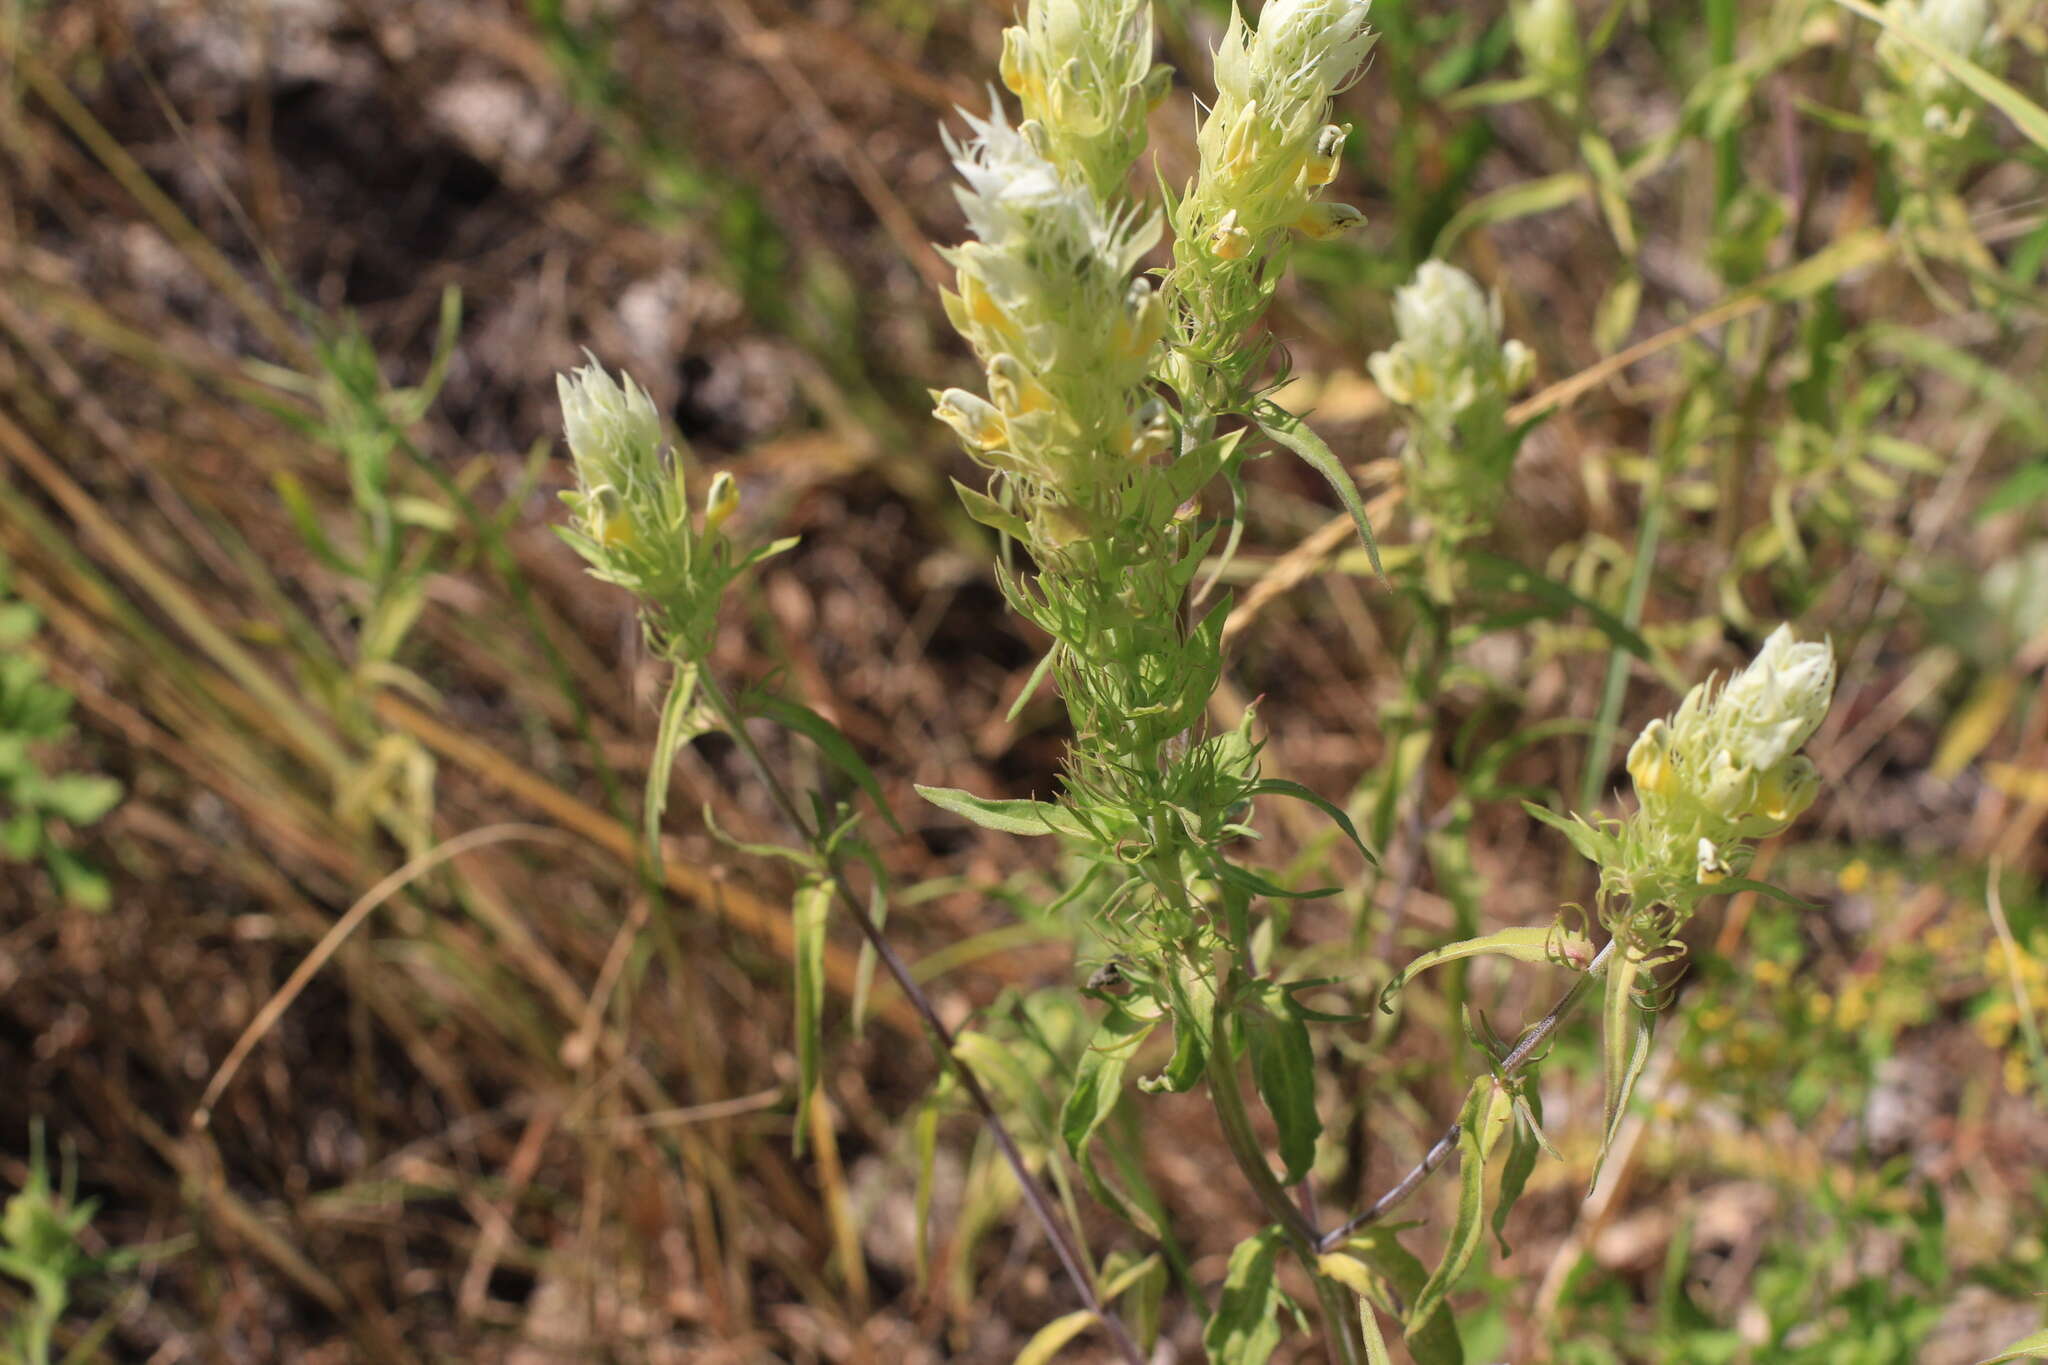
283, 288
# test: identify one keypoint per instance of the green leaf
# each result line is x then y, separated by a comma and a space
1520, 200
1729, 886
78, 881
1245, 1326
1553, 944
1098, 1077
1596, 846
78, 797
1435, 1341
1504, 575
835, 746
1369, 1325
2035, 1345
2023, 487
1284, 1069
1521, 1162
991, 513
1191, 999
1625, 1046
996, 1065
1049, 1339
1031, 686
1485, 1117
1291, 432
1098, 1085
1259, 886
1280, 786
1008, 817
808, 911
21, 834
1144, 1281
2029, 117
18, 624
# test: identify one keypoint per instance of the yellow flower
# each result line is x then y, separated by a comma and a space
721, 500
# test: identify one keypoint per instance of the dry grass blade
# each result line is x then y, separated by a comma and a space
274, 1008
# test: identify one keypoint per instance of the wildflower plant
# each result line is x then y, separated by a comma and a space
1110, 405
1121, 391
1452, 375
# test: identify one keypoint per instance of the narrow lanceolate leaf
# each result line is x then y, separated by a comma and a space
2035, 1345
1435, 1340
1246, 1325
1280, 786
838, 750
1055, 1334
1549, 943
1098, 1084
1499, 574
1139, 1291
1375, 1344
1284, 1068
1488, 1108
1596, 846
1625, 1045
813, 899
1099, 1076
1192, 999
1522, 1151
1008, 817
1293, 433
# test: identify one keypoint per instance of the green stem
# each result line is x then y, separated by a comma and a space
1617, 660
1347, 1346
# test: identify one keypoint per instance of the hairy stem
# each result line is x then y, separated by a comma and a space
942, 1038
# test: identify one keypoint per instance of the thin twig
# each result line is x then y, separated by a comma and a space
942, 1038
1509, 1068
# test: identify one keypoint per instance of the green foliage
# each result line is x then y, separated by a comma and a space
41, 1246
35, 714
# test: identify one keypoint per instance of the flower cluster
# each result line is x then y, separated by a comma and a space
1267, 148
633, 522
1547, 34
1453, 374
1725, 770
1048, 300
1083, 72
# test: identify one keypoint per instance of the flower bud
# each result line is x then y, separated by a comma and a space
1154, 430
609, 523
1319, 168
614, 431
1015, 390
1229, 241
1710, 866
1324, 221
1772, 707
1649, 761
973, 418
721, 500
1547, 32
1784, 793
